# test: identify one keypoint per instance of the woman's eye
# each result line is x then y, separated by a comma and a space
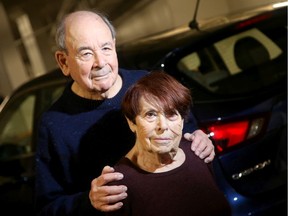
172, 116
151, 115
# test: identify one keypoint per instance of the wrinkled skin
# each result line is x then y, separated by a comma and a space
91, 61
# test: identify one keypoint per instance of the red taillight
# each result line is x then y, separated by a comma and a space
253, 20
230, 134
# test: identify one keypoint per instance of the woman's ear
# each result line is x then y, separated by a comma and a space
132, 126
61, 58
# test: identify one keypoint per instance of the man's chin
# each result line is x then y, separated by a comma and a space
100, 89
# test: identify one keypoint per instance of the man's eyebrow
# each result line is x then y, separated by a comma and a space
90, 48
107, 43
84, 48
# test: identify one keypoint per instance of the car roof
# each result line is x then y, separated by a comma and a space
177, 35
148, 52
53, 76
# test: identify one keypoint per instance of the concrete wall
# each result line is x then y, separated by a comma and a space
12, 67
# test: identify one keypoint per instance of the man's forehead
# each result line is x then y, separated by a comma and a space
86, 25
83, 14
79, 19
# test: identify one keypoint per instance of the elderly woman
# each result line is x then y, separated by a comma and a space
162, 177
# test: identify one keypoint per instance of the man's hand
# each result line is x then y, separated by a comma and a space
107, 198
201, 145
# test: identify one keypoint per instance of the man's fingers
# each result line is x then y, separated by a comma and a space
189, 136
114, 198
107, 169
210, 158
207, 152
108, 194
108, 175
112, 190
108, 198
201, 145
112, 207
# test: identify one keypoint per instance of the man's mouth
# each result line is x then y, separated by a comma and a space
100, 74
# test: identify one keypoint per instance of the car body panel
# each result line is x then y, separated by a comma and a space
19, 115
228, 87
251, 173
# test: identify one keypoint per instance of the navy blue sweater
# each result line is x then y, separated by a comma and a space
77, 138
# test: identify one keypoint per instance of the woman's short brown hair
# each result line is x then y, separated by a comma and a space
159, 89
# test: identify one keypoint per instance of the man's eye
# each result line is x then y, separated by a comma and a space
107, 48
86, 55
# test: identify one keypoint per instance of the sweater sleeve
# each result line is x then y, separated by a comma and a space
51, 197
190, 124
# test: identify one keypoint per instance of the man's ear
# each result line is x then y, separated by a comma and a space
61, 59
132, 126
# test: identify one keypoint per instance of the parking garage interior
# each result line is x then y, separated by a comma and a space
27, 27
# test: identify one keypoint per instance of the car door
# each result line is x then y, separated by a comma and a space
18, 125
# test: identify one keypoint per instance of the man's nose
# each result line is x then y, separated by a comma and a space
99, 60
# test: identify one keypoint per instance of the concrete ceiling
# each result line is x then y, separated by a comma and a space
44, 14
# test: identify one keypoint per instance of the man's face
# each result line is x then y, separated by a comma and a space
91, 54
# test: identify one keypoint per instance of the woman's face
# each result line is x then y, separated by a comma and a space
156, 131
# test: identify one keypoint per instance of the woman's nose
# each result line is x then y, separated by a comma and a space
162, 123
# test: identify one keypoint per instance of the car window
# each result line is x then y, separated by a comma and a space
17, 120
16, 128
251, 56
